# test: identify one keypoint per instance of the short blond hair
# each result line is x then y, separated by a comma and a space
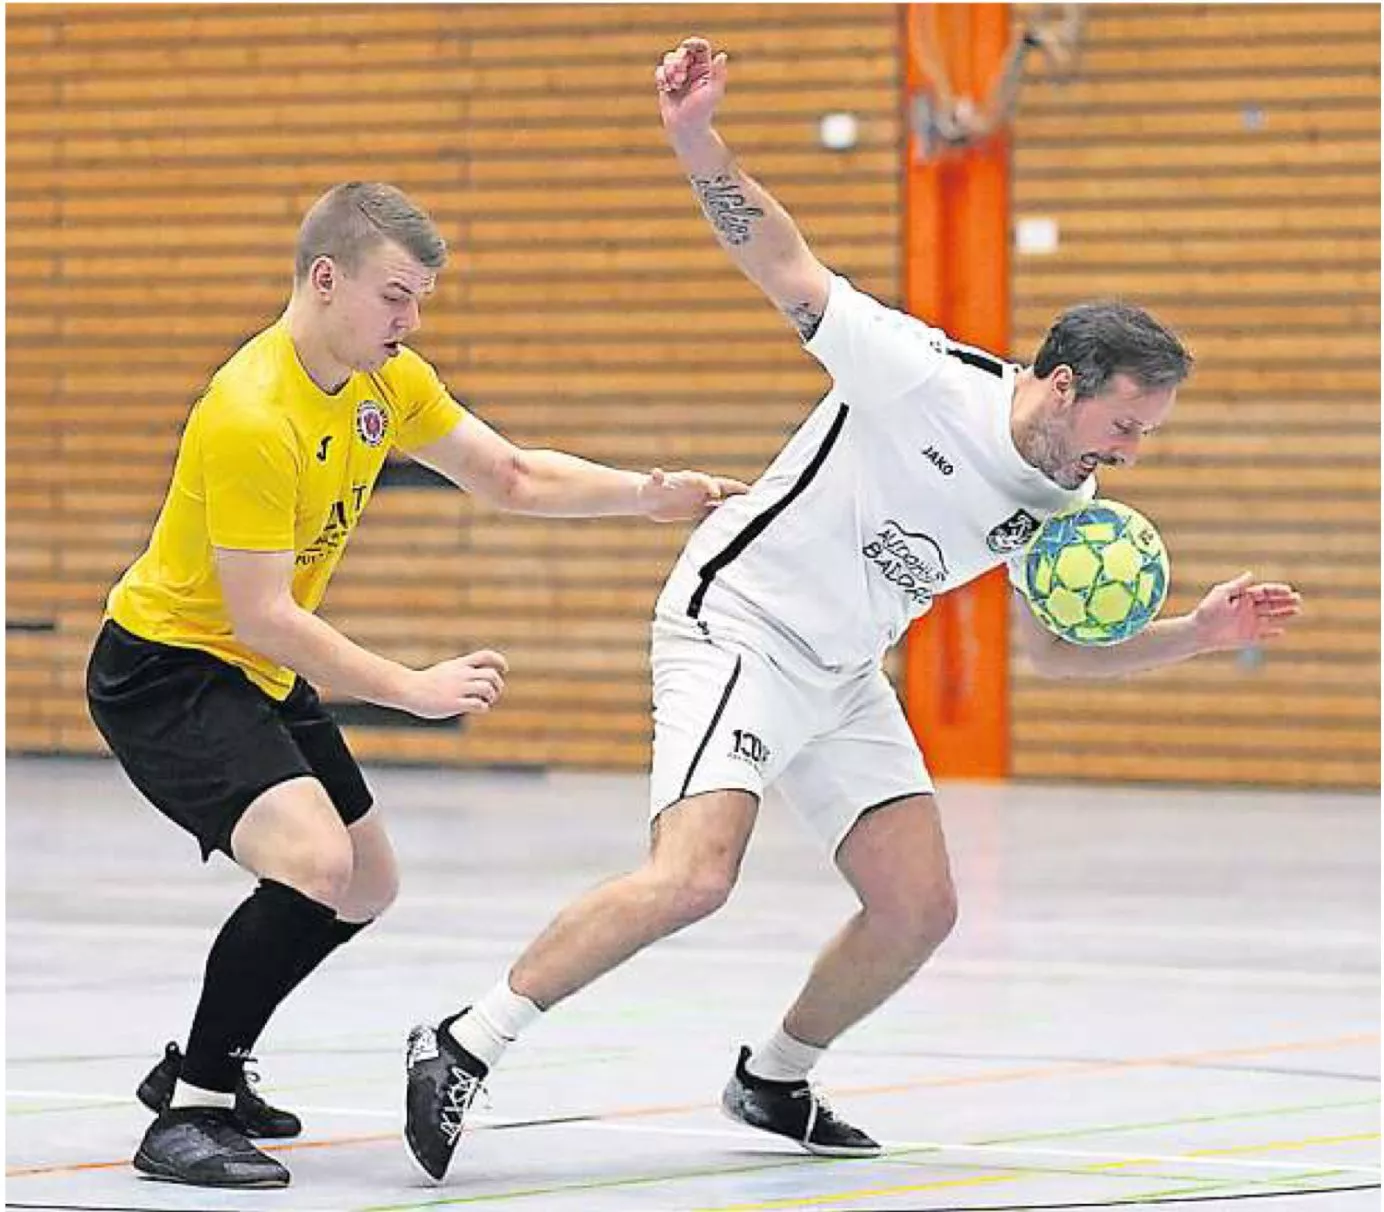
350, 219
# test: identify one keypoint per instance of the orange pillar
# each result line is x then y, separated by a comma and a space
956, 277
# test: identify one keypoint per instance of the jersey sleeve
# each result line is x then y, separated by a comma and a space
428, 411
871, 350
250, 468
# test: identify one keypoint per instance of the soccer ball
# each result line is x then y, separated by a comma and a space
1096, 573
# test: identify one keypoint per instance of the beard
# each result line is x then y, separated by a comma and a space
1044, 446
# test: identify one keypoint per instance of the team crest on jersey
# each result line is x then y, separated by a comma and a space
372, 422
1011, 534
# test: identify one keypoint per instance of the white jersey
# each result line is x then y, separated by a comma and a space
903, 483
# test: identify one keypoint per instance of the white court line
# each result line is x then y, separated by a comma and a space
678, 951
492, 1121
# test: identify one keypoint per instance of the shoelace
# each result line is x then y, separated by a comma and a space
821, 1110
462, 1089
252, 1078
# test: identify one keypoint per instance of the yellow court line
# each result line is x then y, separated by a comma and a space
1081, 1068
1016, 1175
1305, 1143
983, 1180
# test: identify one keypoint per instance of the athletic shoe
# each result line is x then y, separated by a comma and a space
793, 1110
443, 1081
253, 1115
203, 1147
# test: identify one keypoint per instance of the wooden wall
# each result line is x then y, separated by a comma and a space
159, 159
1216, 163
1220, 165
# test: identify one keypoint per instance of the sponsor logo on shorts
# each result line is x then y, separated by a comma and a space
746, 747
1011, 534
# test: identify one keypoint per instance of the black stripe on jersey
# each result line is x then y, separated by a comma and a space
981, 361
758, 526
710, 728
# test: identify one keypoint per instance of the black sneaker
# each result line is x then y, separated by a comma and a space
443, 1081
794, 1110
203, 1147
253, 1115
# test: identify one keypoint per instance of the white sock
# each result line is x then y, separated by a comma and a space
187, 1095
493, 1023
781, 1058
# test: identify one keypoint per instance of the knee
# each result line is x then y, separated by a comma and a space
922, 922
371, 892
690, 894
318, 867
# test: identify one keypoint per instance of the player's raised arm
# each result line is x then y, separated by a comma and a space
757, 232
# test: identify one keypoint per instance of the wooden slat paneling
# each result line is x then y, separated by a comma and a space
1220, 164
159, 162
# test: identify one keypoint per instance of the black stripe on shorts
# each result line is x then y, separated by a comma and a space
715, 719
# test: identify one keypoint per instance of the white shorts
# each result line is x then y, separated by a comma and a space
726, 716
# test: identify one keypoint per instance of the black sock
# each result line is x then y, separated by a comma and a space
258, 957
337, 933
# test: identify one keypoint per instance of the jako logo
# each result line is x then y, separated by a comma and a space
938, 460
748, 748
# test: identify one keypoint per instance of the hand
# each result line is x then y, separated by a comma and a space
681, 495
690, 84
466, 685
1238, 613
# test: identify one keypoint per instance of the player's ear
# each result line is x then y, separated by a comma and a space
322, 276
1062, 384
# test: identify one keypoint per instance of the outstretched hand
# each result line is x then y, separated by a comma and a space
691, 82
677, 496
1238, 613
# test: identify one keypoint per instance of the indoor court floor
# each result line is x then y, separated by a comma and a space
1154, 997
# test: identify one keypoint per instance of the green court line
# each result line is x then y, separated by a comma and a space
1225, 1117
1221, 1184
722, 1172
901, 1155
110, 1104
602, 1185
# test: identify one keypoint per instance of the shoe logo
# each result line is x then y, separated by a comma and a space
939, 460
1011, 534
322, 449
747, 747
422, 1046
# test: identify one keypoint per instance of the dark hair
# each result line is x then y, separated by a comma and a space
1103, 339
349, 220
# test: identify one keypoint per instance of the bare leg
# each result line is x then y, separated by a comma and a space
695, 857
896, 860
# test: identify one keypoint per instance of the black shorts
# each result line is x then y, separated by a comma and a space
202, 741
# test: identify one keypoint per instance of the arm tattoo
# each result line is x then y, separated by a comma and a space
723, 200
806, 317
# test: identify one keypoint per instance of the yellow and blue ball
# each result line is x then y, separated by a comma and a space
1096, 573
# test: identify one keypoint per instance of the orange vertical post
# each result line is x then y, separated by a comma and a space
956, 277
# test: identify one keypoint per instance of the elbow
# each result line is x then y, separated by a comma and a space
264, 629
510, 486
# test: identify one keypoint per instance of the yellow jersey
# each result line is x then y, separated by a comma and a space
270, 462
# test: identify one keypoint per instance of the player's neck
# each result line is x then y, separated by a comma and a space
1024, 408
314, 355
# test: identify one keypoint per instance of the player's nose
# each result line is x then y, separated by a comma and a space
1126, 451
